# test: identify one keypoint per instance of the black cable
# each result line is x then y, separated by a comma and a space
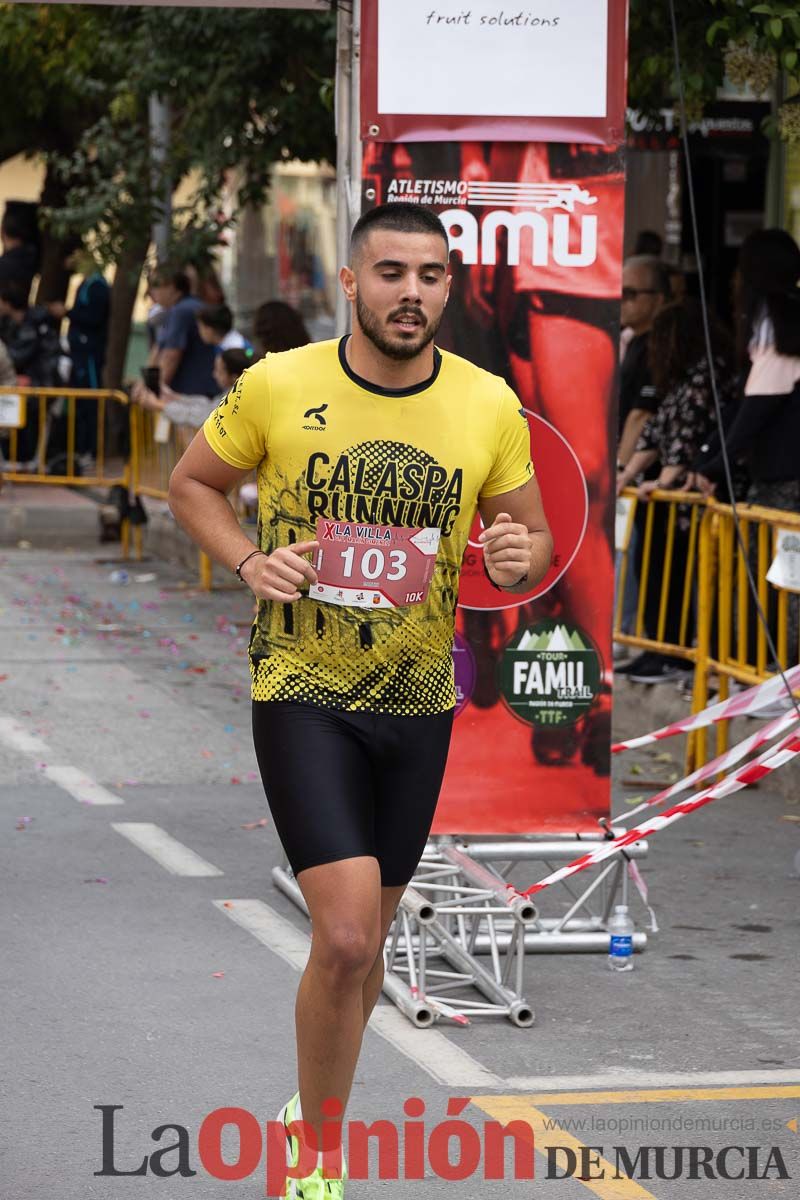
710, 355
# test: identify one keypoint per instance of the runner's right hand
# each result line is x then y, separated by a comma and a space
279, 575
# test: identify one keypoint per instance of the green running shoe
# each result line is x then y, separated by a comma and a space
315, 1186
289, 1113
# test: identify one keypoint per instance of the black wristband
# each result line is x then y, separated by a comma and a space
238, 569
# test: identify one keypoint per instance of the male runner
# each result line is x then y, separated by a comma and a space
374, 436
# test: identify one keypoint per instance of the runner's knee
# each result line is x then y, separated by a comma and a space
346, 950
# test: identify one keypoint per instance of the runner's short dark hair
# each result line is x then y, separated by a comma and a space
217, 317
400, 217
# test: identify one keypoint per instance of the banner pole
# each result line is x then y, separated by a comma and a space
348, 144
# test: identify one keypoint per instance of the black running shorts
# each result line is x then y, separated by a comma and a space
346, 784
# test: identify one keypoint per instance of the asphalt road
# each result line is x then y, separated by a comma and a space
124, 983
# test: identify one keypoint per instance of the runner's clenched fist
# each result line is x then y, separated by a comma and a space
506, 551
278, 576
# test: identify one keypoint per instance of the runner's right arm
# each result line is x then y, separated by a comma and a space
198, 498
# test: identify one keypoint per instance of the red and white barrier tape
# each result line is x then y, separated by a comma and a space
750, 701
755, 741
769, 761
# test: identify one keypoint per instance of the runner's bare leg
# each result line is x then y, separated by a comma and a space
344, 900
390, 898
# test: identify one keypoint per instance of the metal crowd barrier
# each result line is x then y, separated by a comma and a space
664, 584
731, 636
692, 598
50, 416
160, 443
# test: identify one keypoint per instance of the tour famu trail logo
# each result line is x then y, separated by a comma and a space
550, 673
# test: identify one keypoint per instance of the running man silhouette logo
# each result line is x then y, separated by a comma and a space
316, 413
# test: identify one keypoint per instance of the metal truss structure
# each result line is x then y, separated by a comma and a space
460, 908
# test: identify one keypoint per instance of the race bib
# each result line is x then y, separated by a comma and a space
373, 566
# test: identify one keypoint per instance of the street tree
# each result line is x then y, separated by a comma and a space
245, 88
752, 44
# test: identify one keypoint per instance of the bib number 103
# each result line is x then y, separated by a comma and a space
373, 566
372, 563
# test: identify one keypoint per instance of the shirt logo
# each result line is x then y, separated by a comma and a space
316, 413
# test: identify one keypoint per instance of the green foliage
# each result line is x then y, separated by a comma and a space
751, 42
246, 87
54, 76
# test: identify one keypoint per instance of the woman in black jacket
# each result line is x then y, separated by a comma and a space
765, 431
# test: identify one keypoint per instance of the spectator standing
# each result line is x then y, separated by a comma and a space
88, 322
645, 289
186, 363
19, 261
87, 335
765, 431
766, 428
672, 437
215, 323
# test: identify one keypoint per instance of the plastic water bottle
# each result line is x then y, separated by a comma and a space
620, 949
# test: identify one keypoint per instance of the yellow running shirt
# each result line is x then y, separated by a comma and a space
330, 444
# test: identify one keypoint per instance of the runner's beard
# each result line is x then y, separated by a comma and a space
399, 350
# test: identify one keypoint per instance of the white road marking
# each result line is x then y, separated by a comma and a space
71, 779
271, 929
429, 1049
621, 1080
165, 849
17, 737
80, 785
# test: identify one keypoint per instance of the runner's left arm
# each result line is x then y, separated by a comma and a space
517, 543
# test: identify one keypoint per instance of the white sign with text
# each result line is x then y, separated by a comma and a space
784, 571
547, 58
12, 412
